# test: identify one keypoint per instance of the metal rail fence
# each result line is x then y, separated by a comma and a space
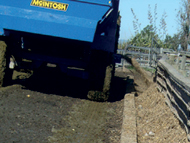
145, 56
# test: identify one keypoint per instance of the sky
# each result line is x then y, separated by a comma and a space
140, 8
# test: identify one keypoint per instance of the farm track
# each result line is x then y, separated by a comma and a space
50, 107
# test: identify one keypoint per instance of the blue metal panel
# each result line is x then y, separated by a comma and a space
78, 22
102, 2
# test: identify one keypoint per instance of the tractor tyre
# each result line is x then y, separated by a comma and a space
5, 72
100, 83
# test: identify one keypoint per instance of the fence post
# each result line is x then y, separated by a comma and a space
123, 65
161, 50
177, 62
172, 58
149, 56
150, 53
183, 62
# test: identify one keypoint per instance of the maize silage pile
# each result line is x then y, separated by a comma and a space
155, 121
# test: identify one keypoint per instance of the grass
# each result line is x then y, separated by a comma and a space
150, 69
130, 67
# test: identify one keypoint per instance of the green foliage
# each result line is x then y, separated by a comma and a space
184, 22
144, 38
172, 42
150, 69
130, 67
163, 26
136, 24
122, 45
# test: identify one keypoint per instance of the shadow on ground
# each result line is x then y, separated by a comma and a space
52, 81
121, 86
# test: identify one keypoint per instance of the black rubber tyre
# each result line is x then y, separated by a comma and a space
102, 72
108, 79
5, 72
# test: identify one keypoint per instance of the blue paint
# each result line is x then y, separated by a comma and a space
102, 2
1, 31
79, 22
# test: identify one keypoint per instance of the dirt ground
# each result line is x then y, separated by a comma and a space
155, 122
51, 107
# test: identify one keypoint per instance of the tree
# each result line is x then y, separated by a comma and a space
184, 22
144, 38
122, 44
163, 26
136, 24
175, 41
